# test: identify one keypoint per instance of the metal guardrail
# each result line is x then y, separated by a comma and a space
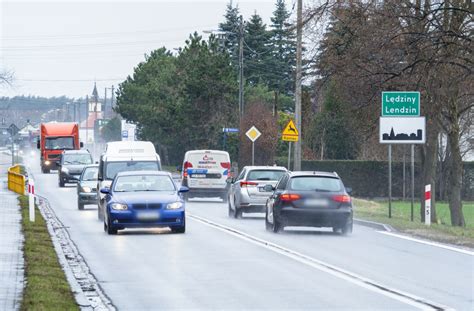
16, 181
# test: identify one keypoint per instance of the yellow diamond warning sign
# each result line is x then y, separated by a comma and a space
290, 133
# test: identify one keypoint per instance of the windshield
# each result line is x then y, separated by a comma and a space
144, 183
77, 159
113, 168
57, 143
90, 173
265, 175
317, 183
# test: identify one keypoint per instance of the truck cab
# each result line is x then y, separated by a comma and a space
54, 139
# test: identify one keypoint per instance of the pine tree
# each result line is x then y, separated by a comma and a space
256, 50
231, 26
284, 50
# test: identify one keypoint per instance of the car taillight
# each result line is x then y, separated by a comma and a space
225, 165
247, 184
289, 197
185, 168
341, 198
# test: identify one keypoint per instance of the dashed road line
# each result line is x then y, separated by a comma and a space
407, 298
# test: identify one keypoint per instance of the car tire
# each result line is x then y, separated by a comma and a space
347, 229
268, 225
80, 206
61, 183
109, 229
181, 229
276, 227
99, 214
230, 210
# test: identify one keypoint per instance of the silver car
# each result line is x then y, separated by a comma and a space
247, 193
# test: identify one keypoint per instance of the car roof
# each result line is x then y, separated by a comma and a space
76, 152
265, 167
92, 165
139, 173
314, 173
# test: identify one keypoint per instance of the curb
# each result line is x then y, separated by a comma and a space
374, 225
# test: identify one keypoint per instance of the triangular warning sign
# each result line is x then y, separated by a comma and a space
290, 129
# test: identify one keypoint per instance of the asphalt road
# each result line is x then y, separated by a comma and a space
223, 263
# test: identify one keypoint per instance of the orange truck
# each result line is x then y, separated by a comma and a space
54, 139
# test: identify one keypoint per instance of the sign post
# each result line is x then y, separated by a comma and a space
290, 134
31, 199
428, 205
253, 134
401, 123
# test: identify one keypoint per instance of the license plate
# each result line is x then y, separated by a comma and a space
262, 189
317, 202
148, 215
198, 175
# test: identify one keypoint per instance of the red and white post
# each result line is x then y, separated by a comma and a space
31, 198
428, 205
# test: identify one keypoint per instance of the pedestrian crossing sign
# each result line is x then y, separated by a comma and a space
290, 133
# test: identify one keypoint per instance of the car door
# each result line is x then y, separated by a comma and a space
279, 189
236, 188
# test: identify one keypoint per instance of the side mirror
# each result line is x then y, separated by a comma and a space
183, 189
349, 190
81, 144
105, 190
229, 180
268, 188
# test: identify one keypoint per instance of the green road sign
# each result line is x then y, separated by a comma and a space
400, 104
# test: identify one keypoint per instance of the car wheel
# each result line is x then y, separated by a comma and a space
276, 225
108, 227
181, 229
347, 229
99, 214
230, 210
80, 205
268, 225
61, 182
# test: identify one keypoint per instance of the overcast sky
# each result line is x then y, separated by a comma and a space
59, 48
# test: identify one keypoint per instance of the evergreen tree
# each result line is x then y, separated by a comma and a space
231, 26
282, 62
256, 51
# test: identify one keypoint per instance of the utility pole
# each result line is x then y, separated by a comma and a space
104, 109
241, 67
112, 101
299, 33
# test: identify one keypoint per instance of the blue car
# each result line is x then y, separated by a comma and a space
144, 199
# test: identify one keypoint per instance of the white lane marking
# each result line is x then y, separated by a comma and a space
440, 245
410, 299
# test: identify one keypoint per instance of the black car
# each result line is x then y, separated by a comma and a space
310, 199
87, 186
71, 165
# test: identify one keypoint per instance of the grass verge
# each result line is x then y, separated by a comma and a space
401, 211
46, 284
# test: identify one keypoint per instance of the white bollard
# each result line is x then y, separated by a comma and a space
31, 199
428, 205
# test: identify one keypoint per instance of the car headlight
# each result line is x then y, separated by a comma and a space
86, 189
119, 206
47, 162
174, 205
65, 170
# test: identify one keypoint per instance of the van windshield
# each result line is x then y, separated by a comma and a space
112, 168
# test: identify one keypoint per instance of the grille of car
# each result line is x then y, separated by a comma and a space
54, 156
146, 206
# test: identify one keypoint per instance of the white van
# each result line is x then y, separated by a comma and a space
121, 156
205, 173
